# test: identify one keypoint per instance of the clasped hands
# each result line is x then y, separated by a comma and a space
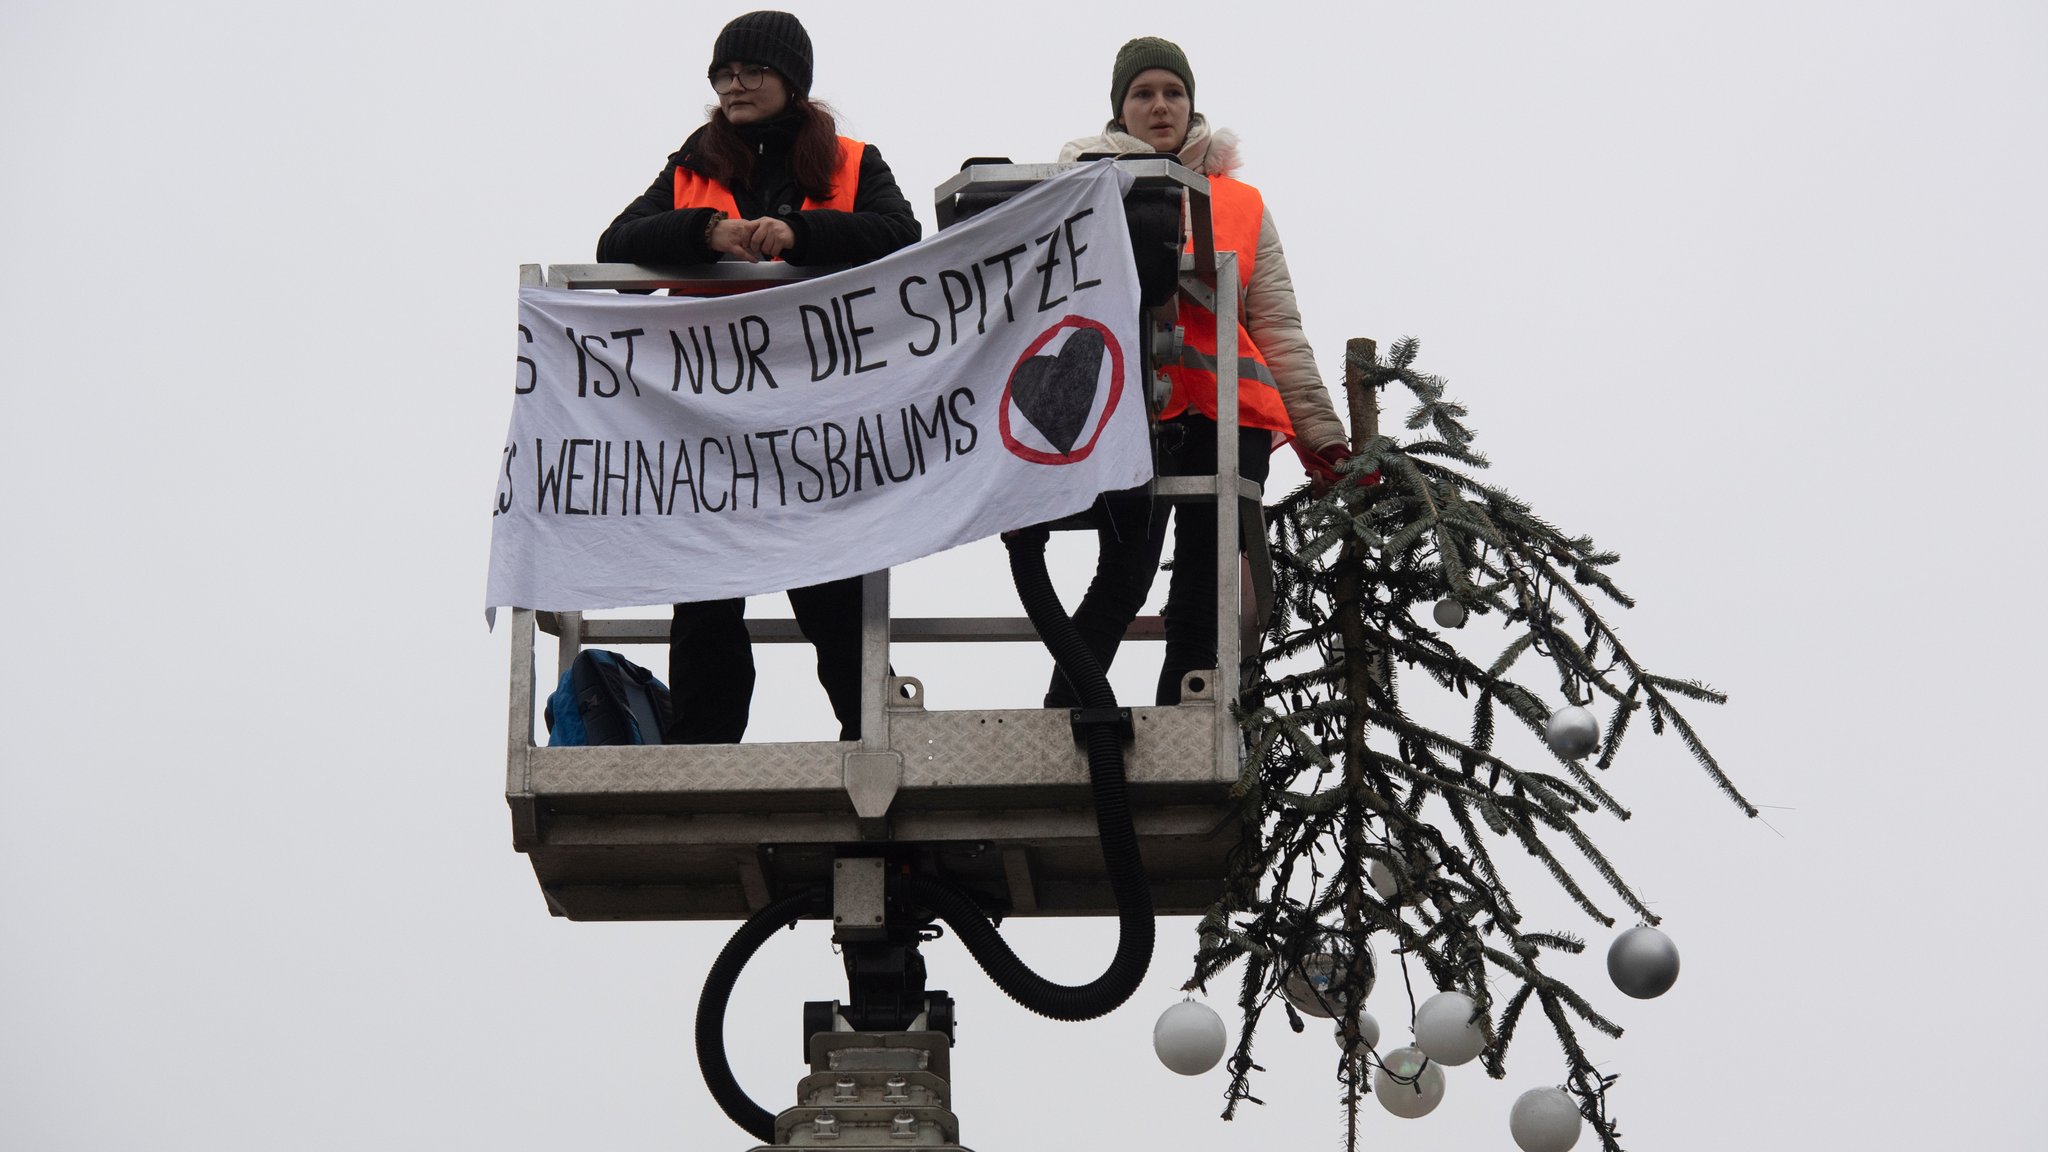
753, 240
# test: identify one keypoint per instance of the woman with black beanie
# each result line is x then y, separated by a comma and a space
768, 177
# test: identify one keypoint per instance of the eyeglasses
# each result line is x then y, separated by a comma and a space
747, 76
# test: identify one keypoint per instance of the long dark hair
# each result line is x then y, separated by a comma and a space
814, 155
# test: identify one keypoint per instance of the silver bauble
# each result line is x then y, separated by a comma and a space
1368, 1031
1544, 1120
1446, 1031
1388, 881
1316, 986
1449, 613
1643, 962
1408, 1083
1383, 882
1189, 1038
1573, 733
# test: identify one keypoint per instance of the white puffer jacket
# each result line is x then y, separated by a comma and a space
1270, 313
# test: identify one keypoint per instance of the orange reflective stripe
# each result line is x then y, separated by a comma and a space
1194, 376
1235, 211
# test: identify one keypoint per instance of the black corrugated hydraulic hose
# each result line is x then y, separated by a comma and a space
725, 971
957, 907
1112, 820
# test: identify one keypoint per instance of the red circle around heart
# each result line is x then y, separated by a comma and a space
1056, 393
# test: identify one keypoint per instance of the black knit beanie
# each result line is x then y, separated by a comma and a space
776, 39
1140, 54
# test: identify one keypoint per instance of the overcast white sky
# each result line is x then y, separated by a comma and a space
1750, 291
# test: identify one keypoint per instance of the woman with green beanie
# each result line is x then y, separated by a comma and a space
1281, 397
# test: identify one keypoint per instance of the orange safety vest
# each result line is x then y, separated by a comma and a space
1235, 210
696, 190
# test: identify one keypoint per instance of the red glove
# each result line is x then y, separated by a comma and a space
1324, 467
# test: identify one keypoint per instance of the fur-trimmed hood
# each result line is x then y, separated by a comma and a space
1267, 307
1211, 153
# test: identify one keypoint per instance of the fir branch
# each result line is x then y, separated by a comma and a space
1661, 707
1692, 689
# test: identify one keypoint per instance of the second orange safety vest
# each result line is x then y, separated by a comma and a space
1236, 210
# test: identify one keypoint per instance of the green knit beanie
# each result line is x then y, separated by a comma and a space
1140, 54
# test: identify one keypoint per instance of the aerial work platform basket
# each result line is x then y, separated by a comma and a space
995, 800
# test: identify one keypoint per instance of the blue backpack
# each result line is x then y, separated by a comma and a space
605, 698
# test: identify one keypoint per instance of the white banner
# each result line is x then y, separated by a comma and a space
666, 450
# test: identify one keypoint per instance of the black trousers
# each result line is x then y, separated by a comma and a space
1132, 535
711, 661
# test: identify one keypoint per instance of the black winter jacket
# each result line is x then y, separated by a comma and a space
653, 231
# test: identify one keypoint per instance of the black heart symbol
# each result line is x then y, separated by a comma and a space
1056, 392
